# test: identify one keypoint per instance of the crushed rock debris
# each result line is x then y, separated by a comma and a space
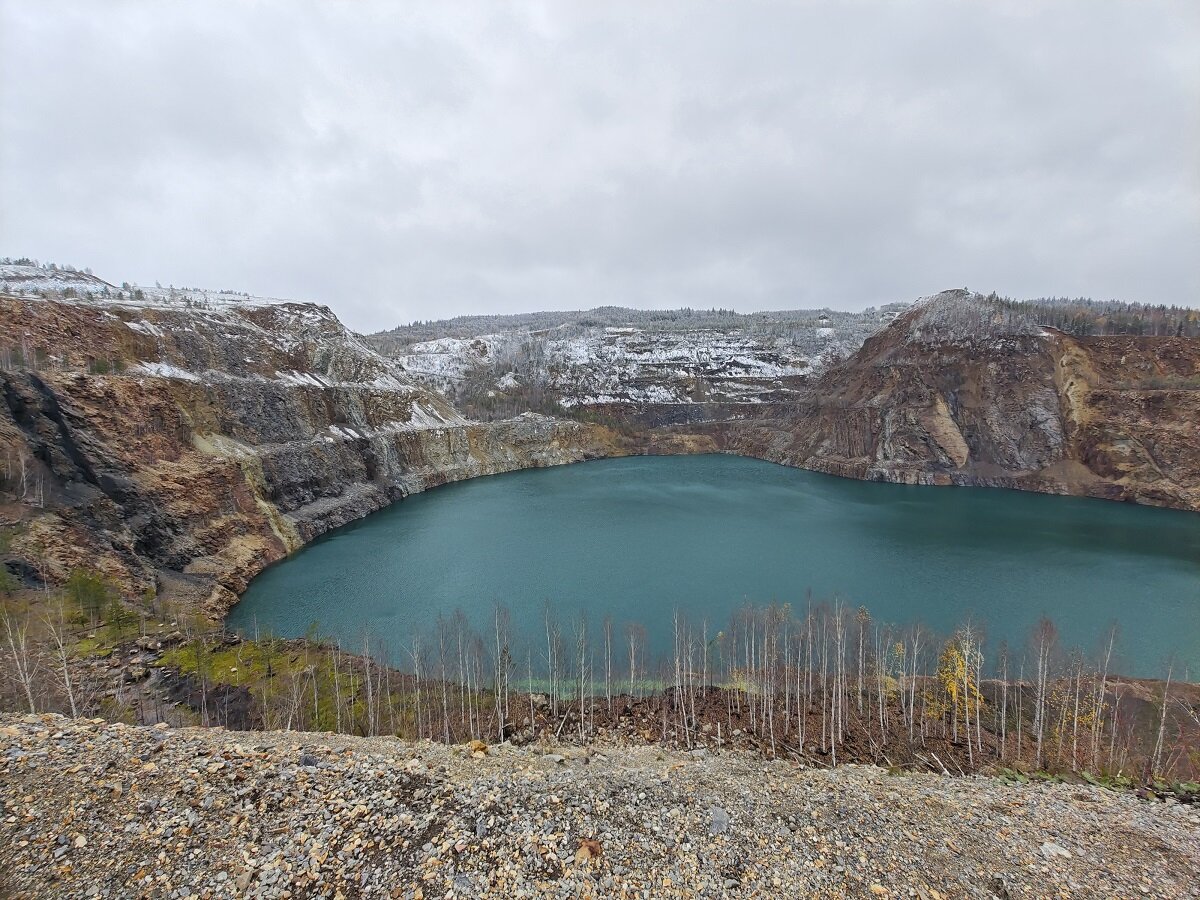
91, 808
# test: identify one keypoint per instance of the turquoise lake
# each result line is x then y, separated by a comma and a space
636, 538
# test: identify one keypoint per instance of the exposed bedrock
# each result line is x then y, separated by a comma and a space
934, 399
138, 496
190, 448
195, 478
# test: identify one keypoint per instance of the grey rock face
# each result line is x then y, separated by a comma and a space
230, 436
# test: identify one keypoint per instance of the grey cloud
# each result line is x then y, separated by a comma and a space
404, 161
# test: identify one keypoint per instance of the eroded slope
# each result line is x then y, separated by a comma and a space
952, 392
203, 443
185, 440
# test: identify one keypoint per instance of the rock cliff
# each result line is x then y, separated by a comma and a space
194, 445
187, 441
960, 390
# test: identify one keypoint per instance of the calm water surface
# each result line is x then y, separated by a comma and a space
636, 538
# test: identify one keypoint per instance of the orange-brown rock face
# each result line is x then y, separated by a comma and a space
190, 446
1133, 407
200, 445
1004, 404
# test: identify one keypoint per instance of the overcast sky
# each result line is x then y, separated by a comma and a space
401, 161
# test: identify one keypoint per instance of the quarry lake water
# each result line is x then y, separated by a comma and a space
637, 538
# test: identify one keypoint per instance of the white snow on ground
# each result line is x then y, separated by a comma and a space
597, 365
301, 379
423, 417
29, 281
450, 359
165, 370
249, 329
293, 379
147, 328
32, 281
390, 383
35, 281
629, 366
619, 365
20, 280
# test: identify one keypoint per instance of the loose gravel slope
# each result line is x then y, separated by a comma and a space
96, 809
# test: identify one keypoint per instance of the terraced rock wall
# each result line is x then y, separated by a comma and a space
186, 447
1111, 417
224, 441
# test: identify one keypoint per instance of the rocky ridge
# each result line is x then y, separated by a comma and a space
956, 389
627, 365
98, 809
190, 445
183, 440
960, 391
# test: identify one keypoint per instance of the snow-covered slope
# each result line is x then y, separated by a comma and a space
31, 280
544, 362
66, 283
201, 336
577, 360
633, 366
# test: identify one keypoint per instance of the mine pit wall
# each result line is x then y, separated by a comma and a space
1116, 418
195, 487
311, 488
168, 505
319, 486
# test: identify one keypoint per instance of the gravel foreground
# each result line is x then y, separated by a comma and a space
97, 809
